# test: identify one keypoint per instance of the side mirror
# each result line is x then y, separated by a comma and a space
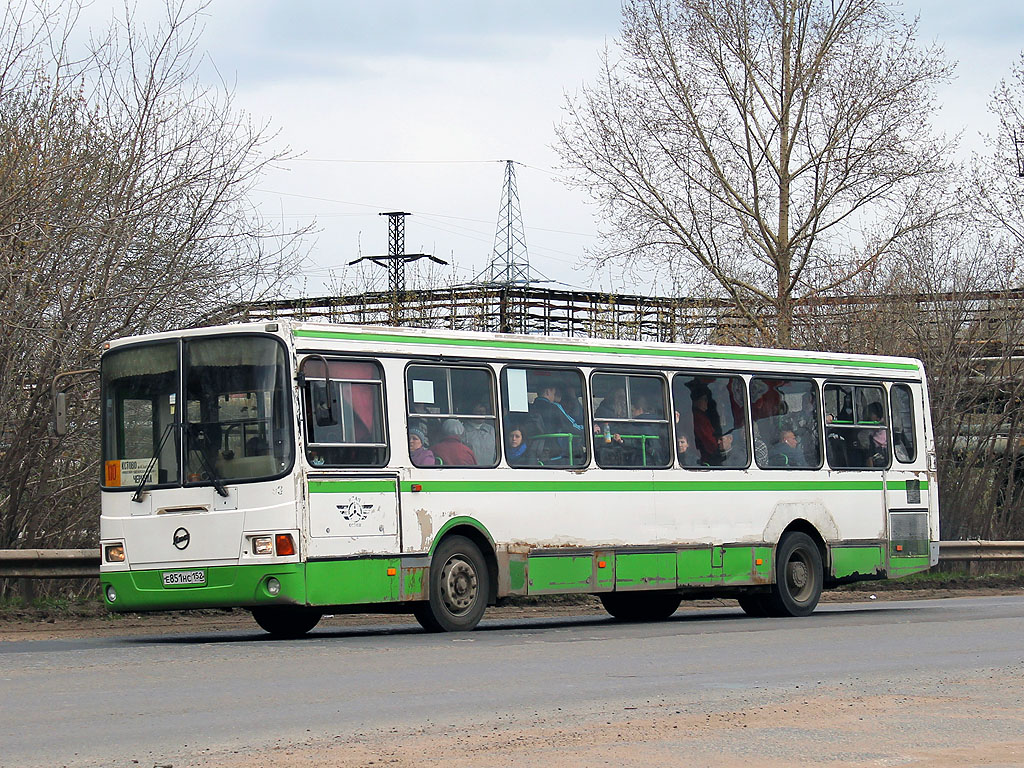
60, 414
323, 407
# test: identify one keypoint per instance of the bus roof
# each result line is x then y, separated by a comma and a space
436, 341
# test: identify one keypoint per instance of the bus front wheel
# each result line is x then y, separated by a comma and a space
286, 621
459, 585
798, 576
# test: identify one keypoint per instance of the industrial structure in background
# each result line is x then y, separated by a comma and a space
509, 296
510, 262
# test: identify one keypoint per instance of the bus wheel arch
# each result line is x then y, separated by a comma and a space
469, 529
462, 581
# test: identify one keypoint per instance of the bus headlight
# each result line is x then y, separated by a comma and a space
273, 586
114, 553
263, 545
111, 593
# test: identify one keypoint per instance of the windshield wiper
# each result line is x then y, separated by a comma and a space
137, 496
204, 460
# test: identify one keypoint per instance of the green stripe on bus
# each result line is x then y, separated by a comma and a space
558, 486
550, 346
901, 485
351, 486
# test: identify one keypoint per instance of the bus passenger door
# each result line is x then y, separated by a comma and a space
352, 515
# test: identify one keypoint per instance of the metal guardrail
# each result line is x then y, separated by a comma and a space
952, 551
85, 563
49, 563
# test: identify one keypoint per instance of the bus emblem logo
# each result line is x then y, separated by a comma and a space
181, 538
355, 511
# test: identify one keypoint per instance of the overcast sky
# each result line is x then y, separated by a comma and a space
411, 105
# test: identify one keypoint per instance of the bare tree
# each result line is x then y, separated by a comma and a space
123, 209
776, 148
999, 175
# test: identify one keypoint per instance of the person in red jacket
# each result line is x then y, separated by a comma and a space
450, 449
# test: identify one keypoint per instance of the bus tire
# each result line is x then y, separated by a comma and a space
755, 605
798, 576
640, 606
286, 621
459, 585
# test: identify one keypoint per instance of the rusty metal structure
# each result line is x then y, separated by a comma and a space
514, 309
988, 324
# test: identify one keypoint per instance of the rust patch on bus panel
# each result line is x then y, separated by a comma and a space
426, 523
513, 565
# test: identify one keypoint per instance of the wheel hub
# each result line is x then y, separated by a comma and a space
798, 574
458, 585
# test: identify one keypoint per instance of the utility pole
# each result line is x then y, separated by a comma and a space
396, 260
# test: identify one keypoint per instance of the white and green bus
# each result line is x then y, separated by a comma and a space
298, 469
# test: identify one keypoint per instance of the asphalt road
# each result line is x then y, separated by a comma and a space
178, 699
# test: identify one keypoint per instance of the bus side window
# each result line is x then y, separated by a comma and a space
543, 417
904, 444
710, 416
355, 435
451, 416
631, 428
787, 423
856, 428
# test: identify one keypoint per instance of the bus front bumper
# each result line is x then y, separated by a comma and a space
223, 586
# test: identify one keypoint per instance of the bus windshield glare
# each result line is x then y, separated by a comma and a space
236, 419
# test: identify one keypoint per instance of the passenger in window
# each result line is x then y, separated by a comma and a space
480, 436
874, 442
450, 449
727, 453
555, 421
642, 409
704, 424
571, 401
787, 452
515, 451
613, 406
419, 453
761, 452
686, 456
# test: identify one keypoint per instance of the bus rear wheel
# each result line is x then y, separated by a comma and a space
798, 576
459, 586
640, 606
286, 621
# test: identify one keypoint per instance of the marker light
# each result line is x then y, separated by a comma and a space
759, 561
263, 545
285, 545
111, 594
601, 563
899, 547
114, 553
273, 586
392, 571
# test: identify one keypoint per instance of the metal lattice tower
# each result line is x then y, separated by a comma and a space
396, 250
510, 264
396, 260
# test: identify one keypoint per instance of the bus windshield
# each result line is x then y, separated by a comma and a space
235, 424
140, 391
238, 423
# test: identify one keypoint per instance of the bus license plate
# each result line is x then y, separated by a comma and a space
184, 578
